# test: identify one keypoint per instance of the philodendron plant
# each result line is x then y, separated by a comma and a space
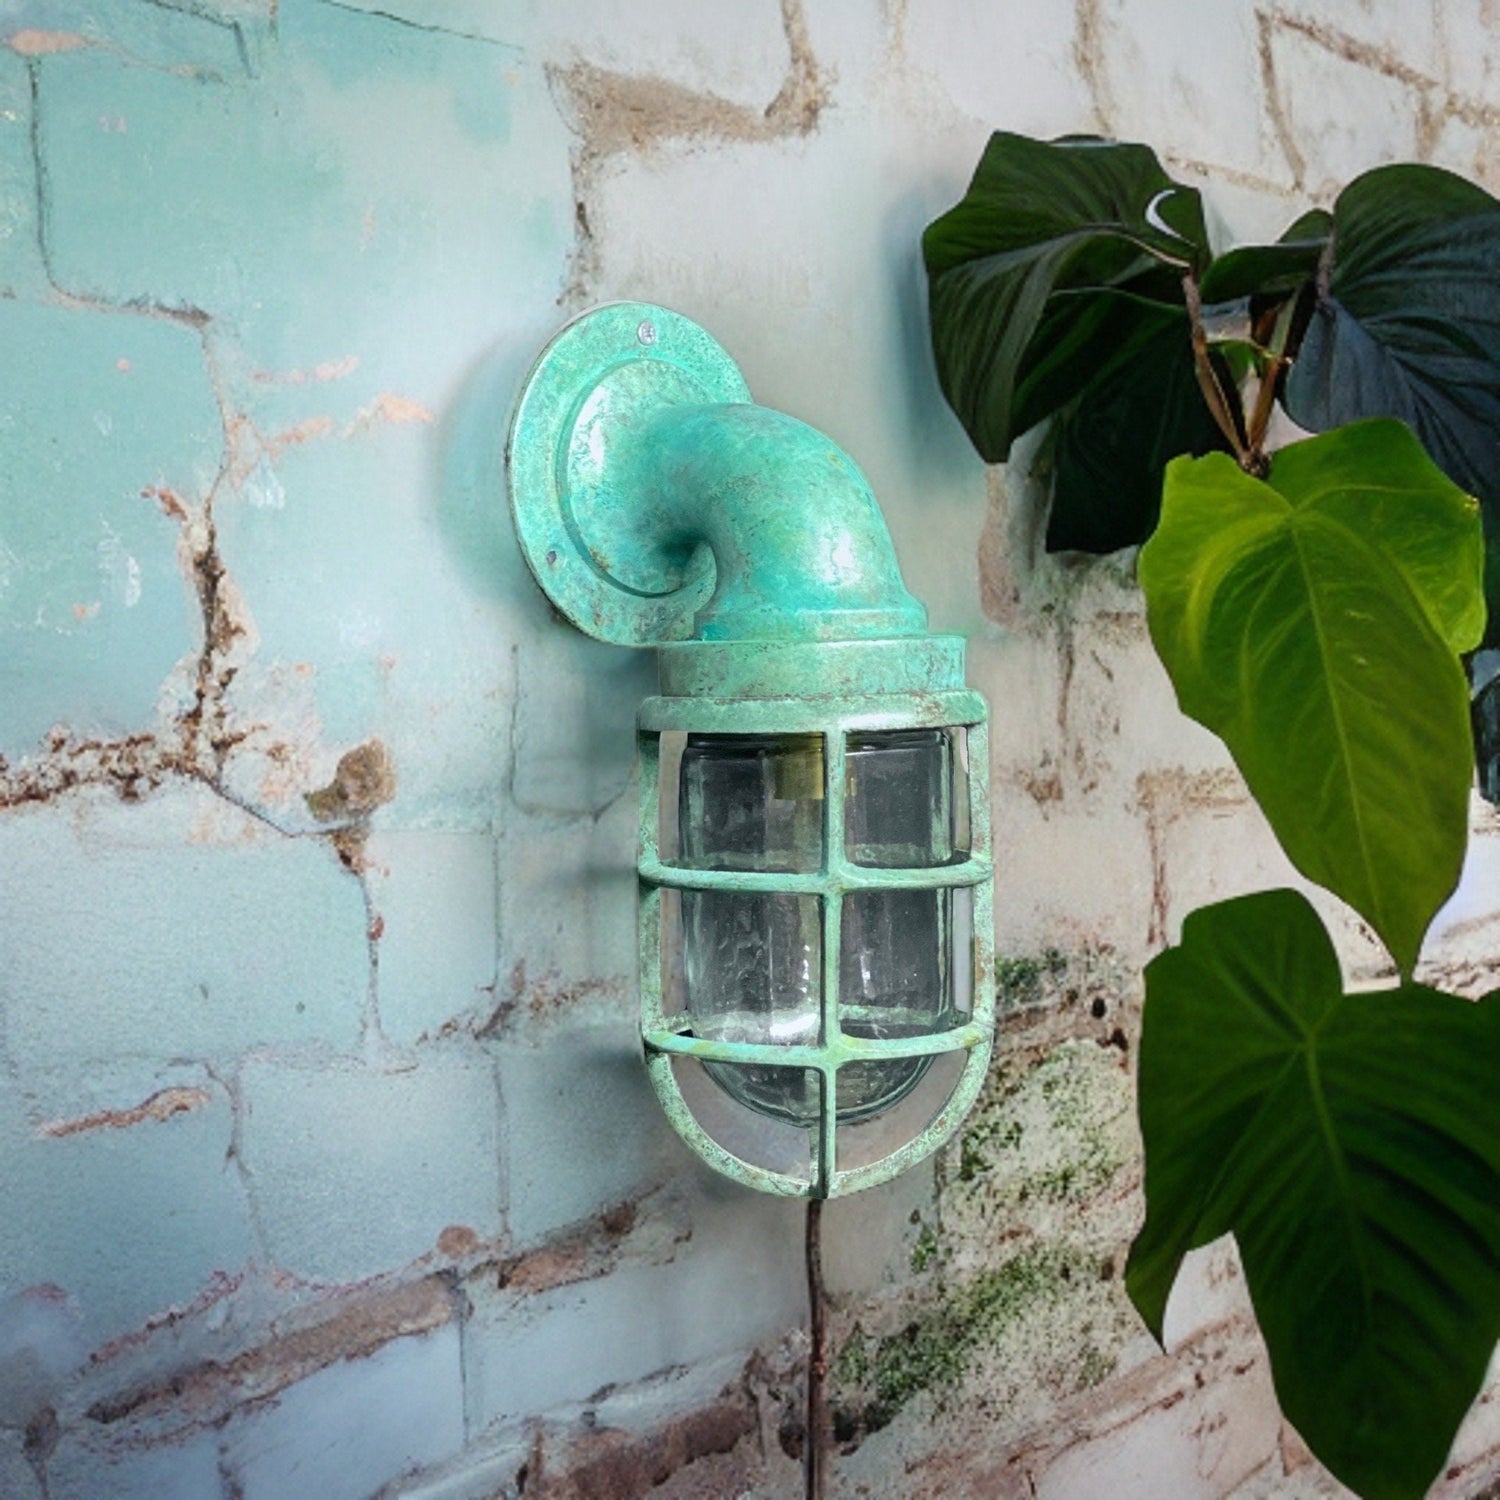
1315, 607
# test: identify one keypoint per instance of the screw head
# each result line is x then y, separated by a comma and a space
646, 333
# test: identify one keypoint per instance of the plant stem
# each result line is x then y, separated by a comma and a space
817, 1361
1278, 360
1220, 403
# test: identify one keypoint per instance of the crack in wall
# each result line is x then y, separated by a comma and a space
358, 1325
1166, 797
617, 114
34, 44
234, 1156
162, 1105
515, 757
236, 28
1436, 102
431, 27
168, 1406
1088, 57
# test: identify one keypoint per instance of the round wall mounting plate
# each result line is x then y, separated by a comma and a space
591, 532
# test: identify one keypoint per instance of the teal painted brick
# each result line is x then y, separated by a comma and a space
354, 1427
568, 903
736, 1282
173, 927
417, 182
574, 741
94, 608
345, 573
18, 1480
21, 270
584, 1129
435, 896
358, 1169
203, 45
130, 1221
87, 1466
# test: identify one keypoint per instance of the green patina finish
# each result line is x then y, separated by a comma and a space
658, 505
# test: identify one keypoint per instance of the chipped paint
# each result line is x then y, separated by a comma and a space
628, 114
162, 1105
32, 43
364, 779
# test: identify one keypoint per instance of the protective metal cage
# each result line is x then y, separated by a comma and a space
666, 1037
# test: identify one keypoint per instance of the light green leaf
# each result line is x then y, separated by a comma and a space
1351, 1144
1314, 623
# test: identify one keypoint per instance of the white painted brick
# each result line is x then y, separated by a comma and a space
737, 52
1470, 32
1068, 877
974, 54
574, 738
1406, 34
1195, 1448
1344, 116
568, 907
1185, 78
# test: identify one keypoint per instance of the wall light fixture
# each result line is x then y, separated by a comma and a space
816, 951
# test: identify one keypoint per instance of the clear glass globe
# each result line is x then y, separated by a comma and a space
752, 961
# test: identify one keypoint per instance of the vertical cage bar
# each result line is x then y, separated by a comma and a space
983, 916
835, 776
648, 897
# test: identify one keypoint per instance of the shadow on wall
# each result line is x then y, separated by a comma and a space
472, 508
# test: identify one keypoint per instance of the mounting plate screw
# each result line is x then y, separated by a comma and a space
646, 333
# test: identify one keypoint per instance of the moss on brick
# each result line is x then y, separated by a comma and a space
931, 1353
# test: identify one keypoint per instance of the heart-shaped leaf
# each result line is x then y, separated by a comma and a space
1314, 623
1040, 219
1407, 323
1108, 447
1269, 270
1351, 1144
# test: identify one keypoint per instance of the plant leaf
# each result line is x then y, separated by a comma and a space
1351, 1144
1269, 270
1409, 323
1042, 218
1109, 446
1314, 623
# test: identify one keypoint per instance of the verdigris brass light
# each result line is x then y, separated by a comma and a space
814, 869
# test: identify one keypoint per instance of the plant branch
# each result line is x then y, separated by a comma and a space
1276, 361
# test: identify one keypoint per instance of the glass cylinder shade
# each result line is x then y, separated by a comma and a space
752, 961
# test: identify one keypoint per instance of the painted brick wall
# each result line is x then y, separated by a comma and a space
327, 1165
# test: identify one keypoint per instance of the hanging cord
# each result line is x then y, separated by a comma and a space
817, 1363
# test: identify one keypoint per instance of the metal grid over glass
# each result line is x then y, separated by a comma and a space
670, 1036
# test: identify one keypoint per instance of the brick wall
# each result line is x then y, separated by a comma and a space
327, 1164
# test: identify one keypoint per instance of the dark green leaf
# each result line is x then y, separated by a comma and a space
1408, 324
1314, 623
1109, 446
1269, 270
1351, 1144
1041, 219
